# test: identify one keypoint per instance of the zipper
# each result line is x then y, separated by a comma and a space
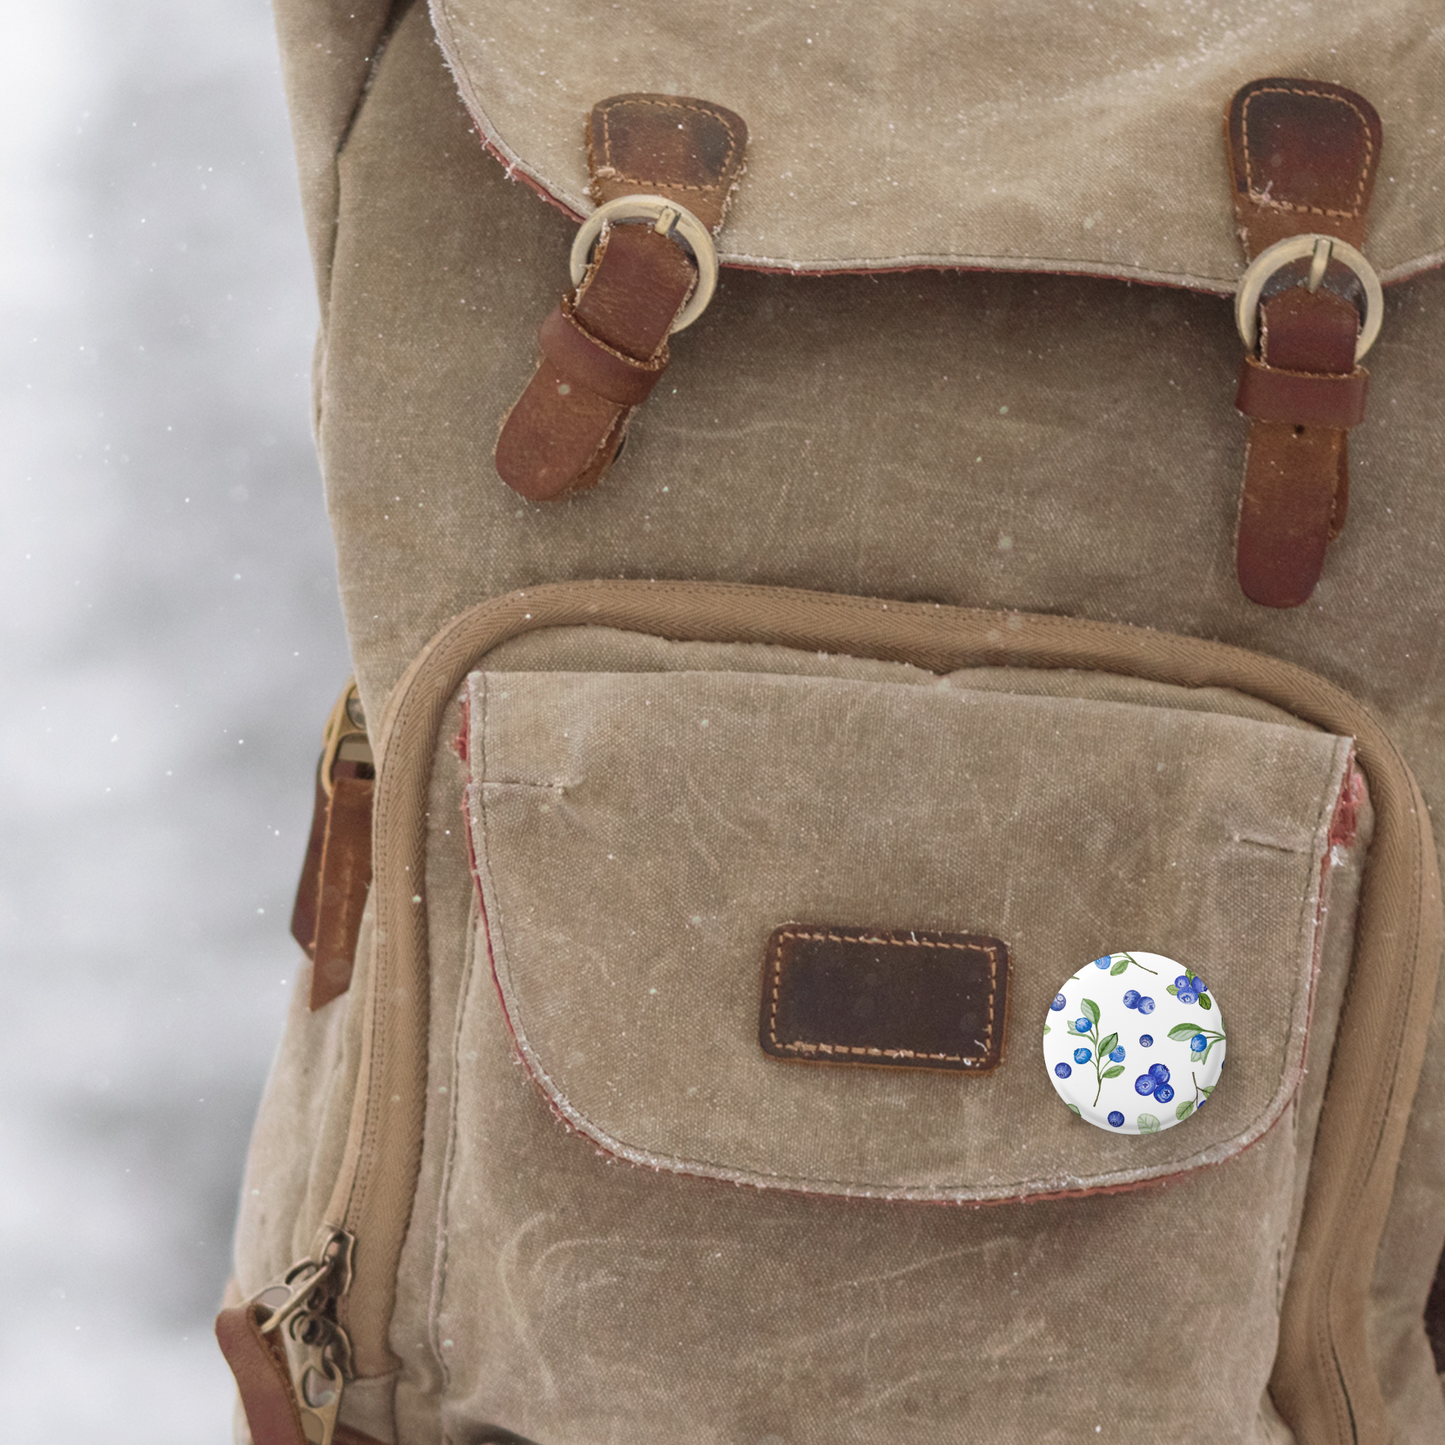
300, 1310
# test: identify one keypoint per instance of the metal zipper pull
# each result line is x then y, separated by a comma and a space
300, 1309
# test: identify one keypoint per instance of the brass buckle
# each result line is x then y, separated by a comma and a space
346, 727
1321, 250
668, 219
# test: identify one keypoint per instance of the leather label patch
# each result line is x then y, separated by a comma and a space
903, 999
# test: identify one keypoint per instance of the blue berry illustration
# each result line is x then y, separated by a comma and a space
1163, 1093
1117, 1055
1116, 1119
1082, 1056
1198, 1043
1131, 998
1189, 988
1146, 1005
1144, 1084
1104, 962
1160, 1072
1082, 1025
1063, 1070
1059, 1002
1146, 1041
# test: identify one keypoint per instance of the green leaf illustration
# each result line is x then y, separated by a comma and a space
1185, 1109
1075, 1108
1173, 990
1183, 1031
1114, 1072
1204, 1001
1129, 958
1107, 1046
1148, 1124
1046, 1028
1091, 1010
1195, 1057
1120, 965
1207, 1090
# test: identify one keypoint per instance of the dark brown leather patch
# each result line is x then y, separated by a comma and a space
905, 999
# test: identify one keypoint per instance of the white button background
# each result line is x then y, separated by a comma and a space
1097, 1087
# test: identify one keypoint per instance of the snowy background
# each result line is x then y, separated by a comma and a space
171, 643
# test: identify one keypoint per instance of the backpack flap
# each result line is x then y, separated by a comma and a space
641, 837
979, 135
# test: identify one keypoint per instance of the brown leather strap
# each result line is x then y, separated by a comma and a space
1303, 157
1302, 398
262, 1379
605, 347
577, 353
331, 896
308, 886
345, 879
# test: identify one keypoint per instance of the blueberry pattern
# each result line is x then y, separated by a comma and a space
1087, 1060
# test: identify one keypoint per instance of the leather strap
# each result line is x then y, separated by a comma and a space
604, 347
262, 1379
335, 878
264, 1383
1303, 157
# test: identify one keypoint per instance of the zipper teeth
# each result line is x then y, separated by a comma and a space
373, 1194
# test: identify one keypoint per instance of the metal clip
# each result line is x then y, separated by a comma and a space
318, 1352
278, 1302
346, 726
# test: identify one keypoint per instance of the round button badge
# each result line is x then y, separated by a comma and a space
1134, 1043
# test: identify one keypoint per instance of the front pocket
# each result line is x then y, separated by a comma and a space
640, 836
584, 1300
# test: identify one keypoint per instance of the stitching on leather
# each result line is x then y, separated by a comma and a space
611, 173
1260, 198
858, 936
656, 363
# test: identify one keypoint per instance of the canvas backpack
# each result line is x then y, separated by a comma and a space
901, 904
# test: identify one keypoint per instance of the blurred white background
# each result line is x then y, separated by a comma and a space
171, 643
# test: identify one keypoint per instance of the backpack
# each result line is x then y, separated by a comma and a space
901, 903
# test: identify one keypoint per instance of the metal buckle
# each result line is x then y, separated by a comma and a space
1321, 250
668, 219
345, 728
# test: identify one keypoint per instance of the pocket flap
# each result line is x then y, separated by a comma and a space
640, 837
1066, 138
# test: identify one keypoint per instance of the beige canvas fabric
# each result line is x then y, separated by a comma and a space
1322, 1371
986, 133
1042, 443
456, 1348
638, 839
915, 1287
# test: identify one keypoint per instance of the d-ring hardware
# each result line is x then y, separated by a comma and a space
668, 219
1321, 250
345, 727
